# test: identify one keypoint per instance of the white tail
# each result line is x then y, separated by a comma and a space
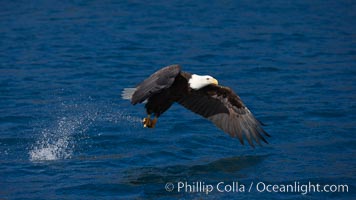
127, 93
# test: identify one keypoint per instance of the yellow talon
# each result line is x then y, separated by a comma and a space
148, 122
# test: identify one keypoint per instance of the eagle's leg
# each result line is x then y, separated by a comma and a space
153, 122
148, 122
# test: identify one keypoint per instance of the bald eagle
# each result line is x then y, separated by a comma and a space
200, 94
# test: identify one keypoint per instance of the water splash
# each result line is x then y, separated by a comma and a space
60, 139
57, 143
120, 117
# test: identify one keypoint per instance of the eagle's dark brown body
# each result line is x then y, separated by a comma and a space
158, 103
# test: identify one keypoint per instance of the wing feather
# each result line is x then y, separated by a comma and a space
227, 111
157, 82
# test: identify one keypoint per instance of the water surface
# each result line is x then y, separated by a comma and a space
66, 134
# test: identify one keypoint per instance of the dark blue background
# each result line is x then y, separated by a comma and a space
66, 134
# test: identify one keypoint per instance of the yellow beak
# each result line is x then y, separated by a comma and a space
215, 82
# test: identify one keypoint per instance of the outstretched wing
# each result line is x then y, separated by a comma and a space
226, 110
158, 81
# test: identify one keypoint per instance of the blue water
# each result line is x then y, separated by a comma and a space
65, 133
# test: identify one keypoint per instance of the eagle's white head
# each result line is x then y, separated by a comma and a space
197, 82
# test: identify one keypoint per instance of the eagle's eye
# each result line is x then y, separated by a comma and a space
207, 78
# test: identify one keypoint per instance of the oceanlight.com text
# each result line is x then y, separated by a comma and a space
238, 187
